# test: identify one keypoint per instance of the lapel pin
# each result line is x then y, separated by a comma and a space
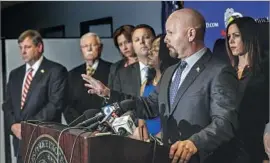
198, 69
42, 71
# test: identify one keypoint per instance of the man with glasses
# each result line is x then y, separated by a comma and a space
78, 98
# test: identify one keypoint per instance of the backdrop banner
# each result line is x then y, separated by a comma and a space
218, 14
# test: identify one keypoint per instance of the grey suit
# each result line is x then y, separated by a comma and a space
204, 109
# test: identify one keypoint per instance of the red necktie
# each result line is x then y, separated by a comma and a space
26, 86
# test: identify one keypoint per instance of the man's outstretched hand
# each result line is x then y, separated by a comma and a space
95, 86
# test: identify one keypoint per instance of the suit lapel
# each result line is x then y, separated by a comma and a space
38, 76
19, 85
99, 73
137, 77
82, 70
197, 68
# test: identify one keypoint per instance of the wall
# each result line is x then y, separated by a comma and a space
45, 14
2, 149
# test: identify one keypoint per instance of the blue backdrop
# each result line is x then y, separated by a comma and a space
214, 15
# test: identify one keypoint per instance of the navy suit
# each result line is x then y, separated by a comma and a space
45, 99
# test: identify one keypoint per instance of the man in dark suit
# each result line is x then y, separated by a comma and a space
78, 98
196, 99
130, 79
35, 90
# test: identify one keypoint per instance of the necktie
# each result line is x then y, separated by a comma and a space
144, 72
89, 70
26, 86
175, 83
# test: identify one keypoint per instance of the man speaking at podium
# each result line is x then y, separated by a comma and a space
35, 90
196, 99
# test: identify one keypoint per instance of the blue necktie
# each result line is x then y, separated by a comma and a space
175, 83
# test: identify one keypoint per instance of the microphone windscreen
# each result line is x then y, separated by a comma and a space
127, 105
90, 113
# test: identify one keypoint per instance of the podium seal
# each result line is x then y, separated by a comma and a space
45, 150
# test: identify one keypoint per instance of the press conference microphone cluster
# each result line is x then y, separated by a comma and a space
103, 118
107, 118
123, 125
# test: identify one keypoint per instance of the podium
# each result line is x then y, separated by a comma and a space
40, 144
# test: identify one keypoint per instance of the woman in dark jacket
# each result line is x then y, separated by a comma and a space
243, 48
122, 41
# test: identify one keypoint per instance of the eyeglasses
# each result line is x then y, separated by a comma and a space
91, 46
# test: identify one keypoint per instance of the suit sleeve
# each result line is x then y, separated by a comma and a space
57, 88
144, 107
223, 111
7, 105
70, 112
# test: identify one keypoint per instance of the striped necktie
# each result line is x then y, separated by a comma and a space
26, 86
89, 70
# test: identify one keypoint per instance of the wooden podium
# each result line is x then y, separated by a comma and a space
40, 144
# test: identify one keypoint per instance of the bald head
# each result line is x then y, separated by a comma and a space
185, 30
189, 18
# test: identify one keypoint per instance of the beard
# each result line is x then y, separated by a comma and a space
173, 54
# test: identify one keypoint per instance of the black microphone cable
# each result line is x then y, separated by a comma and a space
73, 146
59, 137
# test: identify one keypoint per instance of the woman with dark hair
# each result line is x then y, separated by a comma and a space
122, 41
243, 48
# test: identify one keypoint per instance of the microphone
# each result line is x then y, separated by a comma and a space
112, 113
106, 113
87, 114
124, 125
94, 116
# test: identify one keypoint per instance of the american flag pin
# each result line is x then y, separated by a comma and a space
42, 71
198, 69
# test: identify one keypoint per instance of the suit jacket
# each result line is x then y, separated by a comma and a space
128, 80
205, 107
113, 72
255, 106
45, 99
78, 98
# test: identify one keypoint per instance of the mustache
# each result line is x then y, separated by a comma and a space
169, 46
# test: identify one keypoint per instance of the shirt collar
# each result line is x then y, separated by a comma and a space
36, 65
142, 66
191, 60
95, 65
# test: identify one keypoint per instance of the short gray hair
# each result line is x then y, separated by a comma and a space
90, 34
